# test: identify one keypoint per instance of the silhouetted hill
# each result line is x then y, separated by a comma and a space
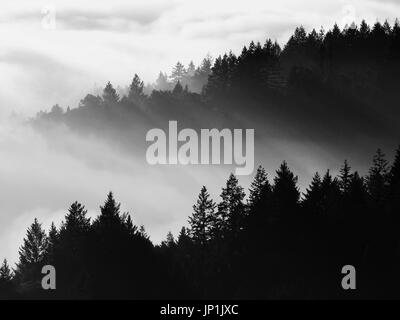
336, 89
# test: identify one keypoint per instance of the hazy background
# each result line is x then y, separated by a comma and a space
110, 41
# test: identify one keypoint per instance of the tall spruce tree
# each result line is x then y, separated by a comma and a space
312, 201
75, 221
6, 281
53, 241
136, 87
178, 73
231, 211
5, 273
378, 177
32, 253
285, 193
178, 89
345, 177
258, 188
202, 218
110, 95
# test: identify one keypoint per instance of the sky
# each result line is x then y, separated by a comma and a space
57, 51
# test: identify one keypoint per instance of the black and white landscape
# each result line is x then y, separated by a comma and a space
84, 84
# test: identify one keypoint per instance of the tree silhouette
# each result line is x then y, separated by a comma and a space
345, 177
178, 89
377, 179
201, 219
259, 187
285, 194
136, 93
52, 243
178, 73
230, 214
6, 285
5, 272
31, 256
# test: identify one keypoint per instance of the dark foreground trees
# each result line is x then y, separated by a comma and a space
277, 244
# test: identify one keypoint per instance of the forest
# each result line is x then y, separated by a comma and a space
338, 87
335, 88
273, 244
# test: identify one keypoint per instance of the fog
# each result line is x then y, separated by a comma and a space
41, 179
42, 176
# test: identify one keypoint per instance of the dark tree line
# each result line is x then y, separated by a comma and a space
276, 243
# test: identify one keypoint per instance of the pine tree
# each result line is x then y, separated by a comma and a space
364, 30
110, 209
130, 227
74, 233
357, 189
184, 240
178, 89
52, 243
259, 187
178, 73
377, 180
75, 221
32, 252
201, 219
312, 201
191, 69
143, 233
230, 213
110, 94
136, 89
5, 273
170, 240
6, 281
205, 68
345, 177
285, 193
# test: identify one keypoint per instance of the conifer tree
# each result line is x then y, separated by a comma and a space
169, 241
178, 72
184, 241
136, 89
345, 177
76, 222
191, 69
32, 252
110, 94
230, 213
312, 201
111, 208
130, 227
259, 187
52, 243
6, 281
5, 273
285, 192
201, 219
378, 177
178, 89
